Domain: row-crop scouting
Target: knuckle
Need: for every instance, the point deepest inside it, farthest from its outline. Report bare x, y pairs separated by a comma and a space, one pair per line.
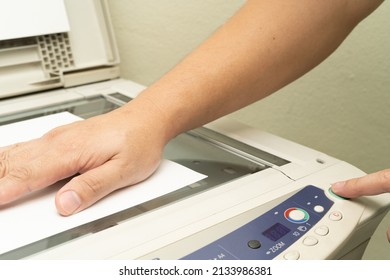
20, 173
4, 164
21, 176
4, 155
16, 173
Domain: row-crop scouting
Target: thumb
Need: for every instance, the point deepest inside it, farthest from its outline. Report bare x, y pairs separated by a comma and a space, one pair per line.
84, 190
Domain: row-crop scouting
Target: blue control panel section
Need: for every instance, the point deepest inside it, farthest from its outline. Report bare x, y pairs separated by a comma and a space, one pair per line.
271, 233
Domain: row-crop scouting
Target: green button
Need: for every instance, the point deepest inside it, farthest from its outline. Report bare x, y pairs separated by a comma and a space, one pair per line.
336, 195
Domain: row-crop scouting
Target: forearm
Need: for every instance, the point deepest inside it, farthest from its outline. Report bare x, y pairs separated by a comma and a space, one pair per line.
265, 46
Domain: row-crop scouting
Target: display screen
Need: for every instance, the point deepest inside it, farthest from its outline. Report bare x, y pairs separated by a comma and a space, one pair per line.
276, 232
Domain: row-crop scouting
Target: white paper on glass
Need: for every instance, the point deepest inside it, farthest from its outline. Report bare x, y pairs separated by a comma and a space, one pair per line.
35, 217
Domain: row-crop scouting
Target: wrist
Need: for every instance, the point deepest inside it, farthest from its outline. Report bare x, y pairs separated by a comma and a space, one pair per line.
145, 113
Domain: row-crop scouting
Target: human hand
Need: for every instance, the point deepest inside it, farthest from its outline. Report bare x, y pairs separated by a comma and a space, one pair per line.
371, 184
106, 152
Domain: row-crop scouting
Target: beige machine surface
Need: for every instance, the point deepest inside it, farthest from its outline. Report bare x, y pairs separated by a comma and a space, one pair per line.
252, 175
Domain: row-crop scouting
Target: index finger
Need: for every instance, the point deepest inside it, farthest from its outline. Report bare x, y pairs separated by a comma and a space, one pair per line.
371, 184
24, 172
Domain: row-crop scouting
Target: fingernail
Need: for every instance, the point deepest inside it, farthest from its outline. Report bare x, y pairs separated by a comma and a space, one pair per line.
338, 186
70, 202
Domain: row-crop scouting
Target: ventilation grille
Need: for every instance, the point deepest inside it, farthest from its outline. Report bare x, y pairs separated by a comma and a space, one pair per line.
55, 52
14, 43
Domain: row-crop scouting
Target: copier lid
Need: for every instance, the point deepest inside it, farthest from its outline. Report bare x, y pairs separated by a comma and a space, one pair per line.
83, 49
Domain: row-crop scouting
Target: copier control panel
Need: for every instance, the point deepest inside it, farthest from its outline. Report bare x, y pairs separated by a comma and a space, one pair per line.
276, 230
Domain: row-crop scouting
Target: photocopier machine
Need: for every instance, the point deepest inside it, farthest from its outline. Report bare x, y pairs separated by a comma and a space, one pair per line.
264, 197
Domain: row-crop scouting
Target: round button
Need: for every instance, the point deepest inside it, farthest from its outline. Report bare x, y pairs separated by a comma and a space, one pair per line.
336, 195
335, 216
292, 255
296, 215
254, 244
310, 241
322, 230
319, 208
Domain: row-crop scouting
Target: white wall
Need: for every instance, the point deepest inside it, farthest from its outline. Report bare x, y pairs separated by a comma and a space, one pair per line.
341, 108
